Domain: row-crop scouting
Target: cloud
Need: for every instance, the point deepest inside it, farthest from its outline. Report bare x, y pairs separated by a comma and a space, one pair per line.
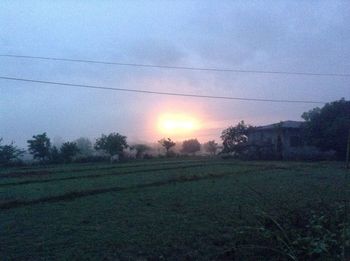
256, 35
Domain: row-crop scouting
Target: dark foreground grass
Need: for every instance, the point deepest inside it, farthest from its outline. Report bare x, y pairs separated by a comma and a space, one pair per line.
177, 214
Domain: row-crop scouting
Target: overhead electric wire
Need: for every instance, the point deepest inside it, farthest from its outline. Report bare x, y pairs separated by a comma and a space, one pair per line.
156, 92
176, 67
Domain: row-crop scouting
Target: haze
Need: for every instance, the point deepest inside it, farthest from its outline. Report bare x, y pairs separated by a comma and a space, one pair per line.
294, 36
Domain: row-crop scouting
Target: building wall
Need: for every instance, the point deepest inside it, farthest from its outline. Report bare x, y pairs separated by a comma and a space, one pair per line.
293, 146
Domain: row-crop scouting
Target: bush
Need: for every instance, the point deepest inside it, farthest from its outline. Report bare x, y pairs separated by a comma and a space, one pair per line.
311, 233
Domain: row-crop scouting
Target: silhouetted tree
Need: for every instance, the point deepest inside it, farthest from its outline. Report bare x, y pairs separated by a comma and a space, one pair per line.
190, 146
210, 147
235, 137
9, 152
39, 147
112, 144
167, 144
68, 151
328, 128
140, 149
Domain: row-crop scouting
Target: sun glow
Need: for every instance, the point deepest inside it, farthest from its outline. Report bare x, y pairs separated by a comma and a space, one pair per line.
177, 124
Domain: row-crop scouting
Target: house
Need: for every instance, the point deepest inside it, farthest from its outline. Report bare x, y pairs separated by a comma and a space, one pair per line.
283, 140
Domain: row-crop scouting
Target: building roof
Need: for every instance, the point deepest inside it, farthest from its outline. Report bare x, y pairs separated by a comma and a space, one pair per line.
282, 124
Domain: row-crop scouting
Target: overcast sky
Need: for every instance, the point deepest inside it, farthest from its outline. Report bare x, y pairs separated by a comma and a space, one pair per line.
303, 36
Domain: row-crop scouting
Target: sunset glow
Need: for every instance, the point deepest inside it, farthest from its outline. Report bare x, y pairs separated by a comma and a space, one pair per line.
177, 124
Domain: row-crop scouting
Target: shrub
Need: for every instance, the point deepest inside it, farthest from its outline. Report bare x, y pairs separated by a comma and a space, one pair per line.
317, 233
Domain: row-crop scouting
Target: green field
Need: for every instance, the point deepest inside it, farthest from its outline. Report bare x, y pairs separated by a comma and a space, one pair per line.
178, 209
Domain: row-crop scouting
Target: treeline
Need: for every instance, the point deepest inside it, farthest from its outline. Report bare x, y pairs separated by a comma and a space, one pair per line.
112, 147
327, 128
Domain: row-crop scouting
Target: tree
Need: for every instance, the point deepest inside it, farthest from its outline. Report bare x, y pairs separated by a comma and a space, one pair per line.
328, 128
55, 155
140, 149
112, 144
210, 147
68, 151
235, 137
9, 152
167, 144
40, 146
85, 146
191, 146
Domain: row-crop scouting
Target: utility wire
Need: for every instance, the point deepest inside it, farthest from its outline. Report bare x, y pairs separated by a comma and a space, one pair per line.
157, 92
176, 67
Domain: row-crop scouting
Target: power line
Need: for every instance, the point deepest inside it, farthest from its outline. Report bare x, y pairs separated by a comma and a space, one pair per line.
157, 92
176, 67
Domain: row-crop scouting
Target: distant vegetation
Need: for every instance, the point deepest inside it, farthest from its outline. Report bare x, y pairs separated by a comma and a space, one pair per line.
9, 152
211, 147
326, 128
167, 144
190, 146
40, 147
112, 144
141, 150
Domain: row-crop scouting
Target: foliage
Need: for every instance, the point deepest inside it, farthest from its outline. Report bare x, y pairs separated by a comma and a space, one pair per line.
140, 150
235, 137
191, 146
210, 147
328, 128
40, 146
318, 233
85, 146
167, 144
55, 155
112, 144
9, 152
68, 151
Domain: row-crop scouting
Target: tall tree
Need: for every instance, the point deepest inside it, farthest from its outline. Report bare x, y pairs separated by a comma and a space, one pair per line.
210, 147
39, 147
328, 127
68, 151
113, 144
167, 144
9, 152
190, 146
235, 137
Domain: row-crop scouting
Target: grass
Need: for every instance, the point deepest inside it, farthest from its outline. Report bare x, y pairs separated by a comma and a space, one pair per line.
154, 210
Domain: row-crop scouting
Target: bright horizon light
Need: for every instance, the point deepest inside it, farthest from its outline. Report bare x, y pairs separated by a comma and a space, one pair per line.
177, 124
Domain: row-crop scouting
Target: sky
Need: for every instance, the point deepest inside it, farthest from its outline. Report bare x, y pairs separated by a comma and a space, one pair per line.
295, 36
